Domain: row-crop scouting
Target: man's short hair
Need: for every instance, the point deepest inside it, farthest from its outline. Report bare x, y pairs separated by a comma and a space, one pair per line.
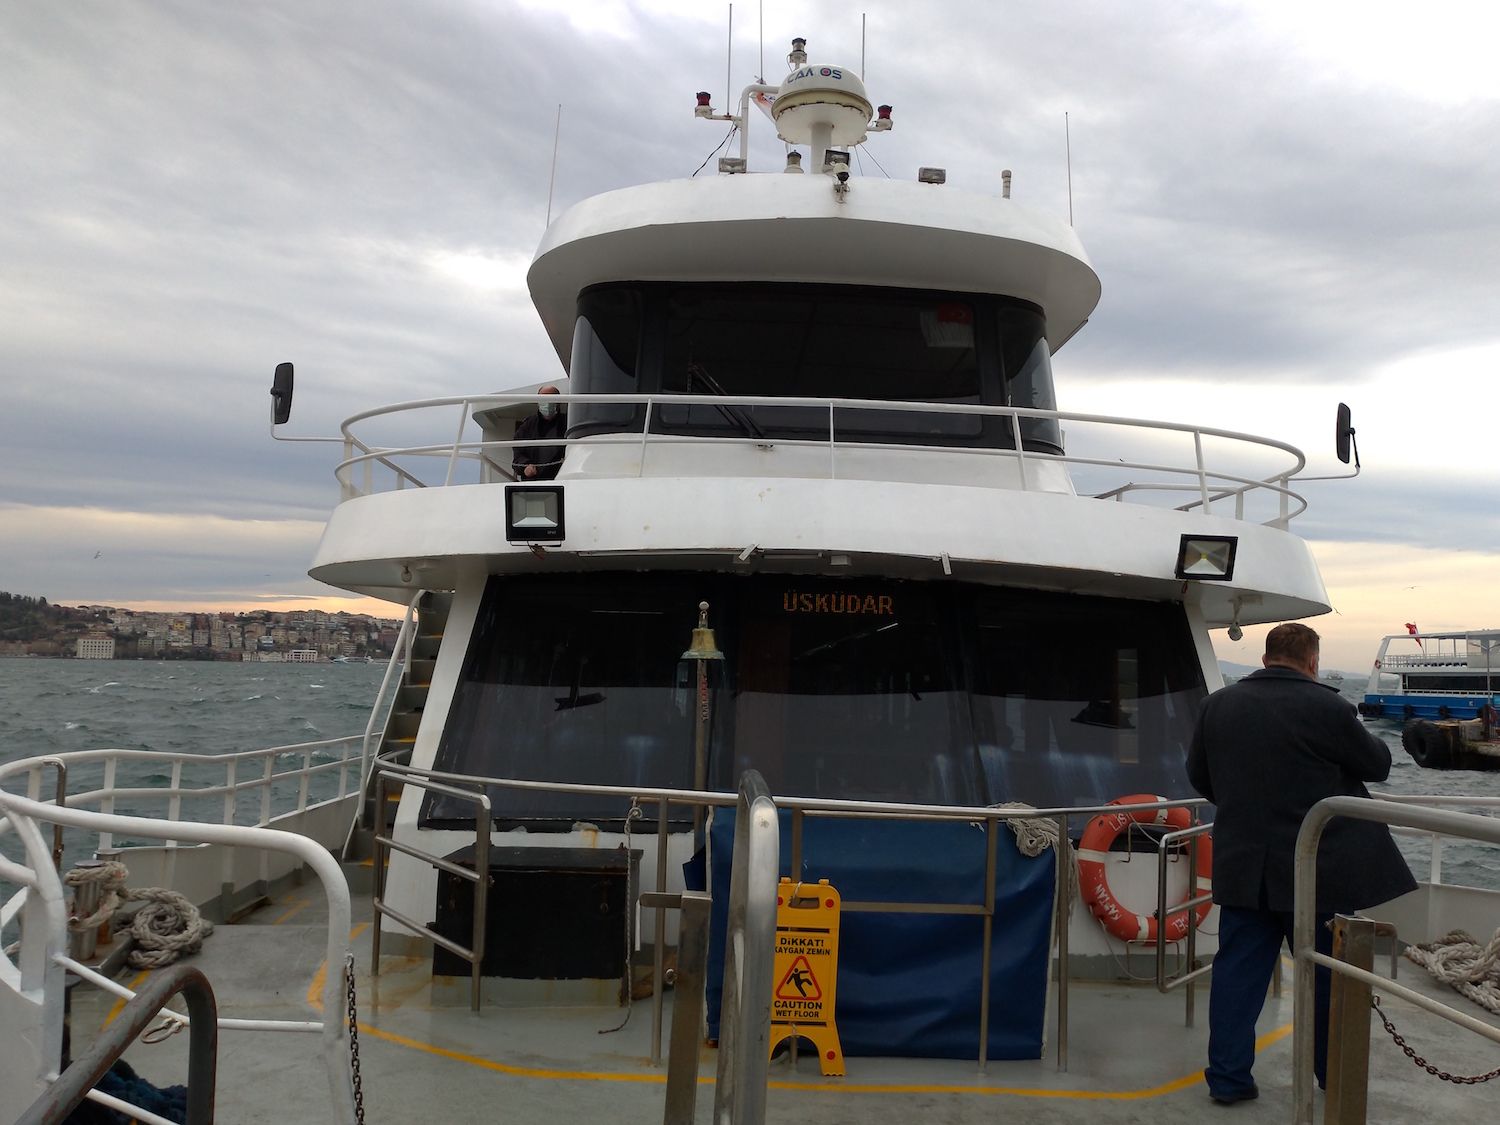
1291, 643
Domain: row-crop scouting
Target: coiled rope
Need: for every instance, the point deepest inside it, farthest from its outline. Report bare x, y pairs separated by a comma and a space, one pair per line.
1035, 834
167, 927
1459, 960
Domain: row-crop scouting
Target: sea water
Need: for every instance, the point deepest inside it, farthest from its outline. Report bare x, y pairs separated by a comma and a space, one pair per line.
49, 706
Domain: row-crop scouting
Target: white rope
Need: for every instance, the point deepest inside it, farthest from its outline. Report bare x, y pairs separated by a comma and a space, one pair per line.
163, 930
111, 879
1458, 959
1035, 834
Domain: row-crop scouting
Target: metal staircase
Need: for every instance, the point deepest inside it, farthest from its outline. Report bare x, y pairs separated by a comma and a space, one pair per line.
400, 733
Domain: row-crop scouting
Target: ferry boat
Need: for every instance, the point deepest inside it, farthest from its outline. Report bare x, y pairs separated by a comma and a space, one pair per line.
1449, 676
824, 589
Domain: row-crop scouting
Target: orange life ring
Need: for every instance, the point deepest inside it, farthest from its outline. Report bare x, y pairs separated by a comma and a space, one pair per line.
1103, 905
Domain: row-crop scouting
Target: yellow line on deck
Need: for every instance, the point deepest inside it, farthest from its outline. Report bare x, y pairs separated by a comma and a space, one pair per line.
120, 1001
301, 902
315, 999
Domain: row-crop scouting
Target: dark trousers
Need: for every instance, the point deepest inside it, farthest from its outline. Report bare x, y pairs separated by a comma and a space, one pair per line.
1249, 944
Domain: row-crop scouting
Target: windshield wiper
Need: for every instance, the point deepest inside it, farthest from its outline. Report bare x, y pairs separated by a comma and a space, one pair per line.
733, 414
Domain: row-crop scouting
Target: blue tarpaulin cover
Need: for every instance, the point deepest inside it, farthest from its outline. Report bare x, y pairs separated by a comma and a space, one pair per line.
908, 984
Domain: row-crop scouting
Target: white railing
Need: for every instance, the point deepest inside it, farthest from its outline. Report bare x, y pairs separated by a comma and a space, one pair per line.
35, 980
273, 773
1408, 814
1435, 857
1192, 476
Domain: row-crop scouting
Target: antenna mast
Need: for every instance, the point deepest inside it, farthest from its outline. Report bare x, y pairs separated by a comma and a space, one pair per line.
1068, 141
729, 66
861, 46
551, 183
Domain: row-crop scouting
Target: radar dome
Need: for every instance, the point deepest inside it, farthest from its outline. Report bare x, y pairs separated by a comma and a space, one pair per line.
821, 105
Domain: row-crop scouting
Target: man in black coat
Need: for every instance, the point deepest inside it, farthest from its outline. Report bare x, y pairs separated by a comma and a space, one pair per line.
1266, 749
540, 462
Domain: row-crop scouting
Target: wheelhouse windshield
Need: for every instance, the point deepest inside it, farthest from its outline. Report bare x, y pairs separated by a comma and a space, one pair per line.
871, 689
814, 341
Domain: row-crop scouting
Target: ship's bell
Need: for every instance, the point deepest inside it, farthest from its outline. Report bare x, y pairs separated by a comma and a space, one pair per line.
704, 647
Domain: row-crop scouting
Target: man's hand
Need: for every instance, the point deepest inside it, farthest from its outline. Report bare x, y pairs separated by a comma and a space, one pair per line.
530, 471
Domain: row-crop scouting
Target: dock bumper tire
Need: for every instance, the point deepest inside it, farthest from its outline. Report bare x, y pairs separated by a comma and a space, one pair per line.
1371, 710
1427, 743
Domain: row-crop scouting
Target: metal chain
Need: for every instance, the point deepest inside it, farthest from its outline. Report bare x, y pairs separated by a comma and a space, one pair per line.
359, 1094
1458, 1079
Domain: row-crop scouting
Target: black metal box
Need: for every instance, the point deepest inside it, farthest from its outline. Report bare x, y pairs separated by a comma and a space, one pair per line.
552, 914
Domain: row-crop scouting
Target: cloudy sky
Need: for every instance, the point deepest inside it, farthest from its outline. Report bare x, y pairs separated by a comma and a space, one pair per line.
1289, 204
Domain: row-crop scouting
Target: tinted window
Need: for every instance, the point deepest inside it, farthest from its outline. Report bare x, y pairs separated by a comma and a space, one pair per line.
829, 342
851, 690
606, 348
1027, 363
573, 681
1080, 699
867, 689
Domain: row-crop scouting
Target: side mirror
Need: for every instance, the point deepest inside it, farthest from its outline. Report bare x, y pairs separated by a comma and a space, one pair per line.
1343, 433
281, 396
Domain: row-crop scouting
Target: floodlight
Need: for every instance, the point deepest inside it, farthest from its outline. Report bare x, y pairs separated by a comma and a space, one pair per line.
533, 515
1207, 558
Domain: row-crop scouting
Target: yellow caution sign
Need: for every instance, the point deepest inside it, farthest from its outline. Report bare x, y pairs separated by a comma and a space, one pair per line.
807, 969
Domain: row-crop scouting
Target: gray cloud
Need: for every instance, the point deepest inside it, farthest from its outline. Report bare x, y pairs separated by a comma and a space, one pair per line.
196, 192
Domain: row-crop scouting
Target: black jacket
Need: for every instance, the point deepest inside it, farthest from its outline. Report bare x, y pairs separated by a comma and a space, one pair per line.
548, 459
1265, 751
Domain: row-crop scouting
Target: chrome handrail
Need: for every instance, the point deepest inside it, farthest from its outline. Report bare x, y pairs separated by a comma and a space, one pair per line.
77, 1082
1305, 956
749, 955
687, 1007
1189, 971
801, 807
1207, 483
480, 877
366, 775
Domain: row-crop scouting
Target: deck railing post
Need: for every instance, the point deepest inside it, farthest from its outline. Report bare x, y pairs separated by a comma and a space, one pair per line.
990, 833
687, 1008
1202, 472
1015, 430
659, 935
346, 475
482, 825
749, 954
62, 800
378, 859
832, 446
1064, 909
1192, 926
645, 437
107, 802
1348, 1077
463, 420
